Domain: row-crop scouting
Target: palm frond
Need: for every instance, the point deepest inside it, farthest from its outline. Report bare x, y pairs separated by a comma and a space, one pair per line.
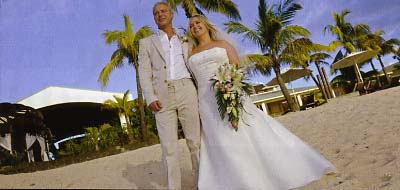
226, 7
174, 4
121, 52
361, 29
297, 52
110, 104
260, 63
379, 32
119, 101
298, 46
349, 47
339, 18
290, 33
321, 47
125, 97
130, 35
122, 104
333, 45
112, 36
106, 71
268, 29
189, 7
319, 56
238, 28
287, 10
262, 10
143, 32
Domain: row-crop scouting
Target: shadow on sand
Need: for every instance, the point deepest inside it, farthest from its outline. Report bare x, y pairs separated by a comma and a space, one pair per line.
151, 175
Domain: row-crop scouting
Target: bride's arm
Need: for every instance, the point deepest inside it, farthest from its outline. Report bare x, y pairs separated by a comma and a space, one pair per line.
232, 54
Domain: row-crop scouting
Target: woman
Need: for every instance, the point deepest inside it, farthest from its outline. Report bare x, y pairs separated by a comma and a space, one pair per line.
262, 154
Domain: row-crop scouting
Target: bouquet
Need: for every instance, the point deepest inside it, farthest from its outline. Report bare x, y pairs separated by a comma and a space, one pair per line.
229, 86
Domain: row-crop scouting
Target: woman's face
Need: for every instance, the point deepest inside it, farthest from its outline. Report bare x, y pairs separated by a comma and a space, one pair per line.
197, 27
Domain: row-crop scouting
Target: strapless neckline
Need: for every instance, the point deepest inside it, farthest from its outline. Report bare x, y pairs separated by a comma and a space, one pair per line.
203, 51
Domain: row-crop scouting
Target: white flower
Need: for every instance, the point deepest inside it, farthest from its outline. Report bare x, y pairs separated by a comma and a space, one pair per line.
183, 39
229, 87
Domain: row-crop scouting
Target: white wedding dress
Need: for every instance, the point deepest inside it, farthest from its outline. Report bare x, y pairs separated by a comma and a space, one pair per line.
262, 154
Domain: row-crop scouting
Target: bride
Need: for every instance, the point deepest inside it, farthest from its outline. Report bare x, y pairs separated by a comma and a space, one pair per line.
262, 154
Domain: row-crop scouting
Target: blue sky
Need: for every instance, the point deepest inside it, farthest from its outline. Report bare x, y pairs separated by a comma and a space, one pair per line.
59, 42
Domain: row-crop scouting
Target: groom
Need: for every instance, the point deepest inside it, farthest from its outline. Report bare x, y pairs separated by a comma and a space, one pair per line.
170, 92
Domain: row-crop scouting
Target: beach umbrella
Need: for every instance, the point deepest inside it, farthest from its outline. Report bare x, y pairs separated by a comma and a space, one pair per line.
290, 75
354, 59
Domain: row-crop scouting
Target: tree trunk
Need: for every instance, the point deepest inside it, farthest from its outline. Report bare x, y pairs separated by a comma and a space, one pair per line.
293, 106
141, 106
375, 75
323, 87
129, 128
318, 84
320, 87
324, 81
383, 69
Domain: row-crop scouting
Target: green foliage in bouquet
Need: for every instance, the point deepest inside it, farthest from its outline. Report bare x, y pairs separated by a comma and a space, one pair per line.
229, 86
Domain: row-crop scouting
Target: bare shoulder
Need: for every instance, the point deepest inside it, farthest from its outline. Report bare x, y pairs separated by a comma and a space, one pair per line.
224, 44
194, 50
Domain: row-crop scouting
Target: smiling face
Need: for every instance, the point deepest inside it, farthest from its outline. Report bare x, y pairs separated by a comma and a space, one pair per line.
197, 27
162, 15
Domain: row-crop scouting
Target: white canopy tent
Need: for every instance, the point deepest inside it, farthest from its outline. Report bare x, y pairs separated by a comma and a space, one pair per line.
53, 95
30, 140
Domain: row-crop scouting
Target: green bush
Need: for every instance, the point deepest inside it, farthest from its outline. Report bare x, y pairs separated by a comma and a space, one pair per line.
73, 147
109, 136
319, 98
8, 159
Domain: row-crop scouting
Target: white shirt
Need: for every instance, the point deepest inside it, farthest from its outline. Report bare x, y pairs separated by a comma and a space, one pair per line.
175, 61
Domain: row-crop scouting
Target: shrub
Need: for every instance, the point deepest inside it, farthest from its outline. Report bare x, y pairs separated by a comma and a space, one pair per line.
8, 159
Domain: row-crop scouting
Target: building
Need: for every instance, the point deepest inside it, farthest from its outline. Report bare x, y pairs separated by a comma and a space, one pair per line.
271, 100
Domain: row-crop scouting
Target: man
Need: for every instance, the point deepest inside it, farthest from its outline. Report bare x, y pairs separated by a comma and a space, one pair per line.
170, 92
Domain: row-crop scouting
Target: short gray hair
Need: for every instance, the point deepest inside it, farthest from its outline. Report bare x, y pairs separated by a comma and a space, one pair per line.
162, 3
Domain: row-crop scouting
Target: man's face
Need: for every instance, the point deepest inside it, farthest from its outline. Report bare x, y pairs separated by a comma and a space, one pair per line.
162, 15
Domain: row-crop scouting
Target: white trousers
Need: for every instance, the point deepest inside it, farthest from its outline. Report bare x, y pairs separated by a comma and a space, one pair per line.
182, 104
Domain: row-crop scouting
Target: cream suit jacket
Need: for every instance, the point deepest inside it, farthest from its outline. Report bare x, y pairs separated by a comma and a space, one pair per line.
153, 69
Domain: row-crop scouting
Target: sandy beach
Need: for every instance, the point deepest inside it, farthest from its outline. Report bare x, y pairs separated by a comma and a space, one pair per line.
360, 135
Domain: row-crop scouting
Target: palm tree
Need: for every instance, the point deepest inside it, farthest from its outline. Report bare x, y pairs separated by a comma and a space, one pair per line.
95, 135
343, 31
192, 7
346, 34
124, 108
375, 41
280, 42
128, 47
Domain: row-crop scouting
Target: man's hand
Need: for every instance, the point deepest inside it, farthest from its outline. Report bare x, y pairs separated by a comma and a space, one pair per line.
155, 106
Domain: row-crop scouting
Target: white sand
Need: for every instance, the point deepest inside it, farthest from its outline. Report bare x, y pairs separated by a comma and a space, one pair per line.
360, 135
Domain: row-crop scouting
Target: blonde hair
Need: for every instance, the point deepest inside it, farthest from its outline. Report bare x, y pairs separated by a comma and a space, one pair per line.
212, 30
